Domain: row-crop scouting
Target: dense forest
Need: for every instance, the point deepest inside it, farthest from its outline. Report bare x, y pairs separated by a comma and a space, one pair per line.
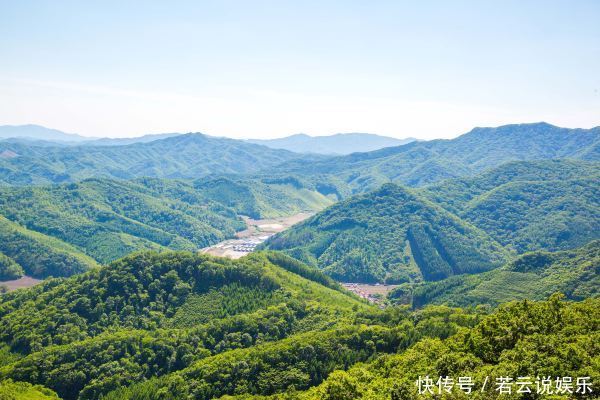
492, 241
534, 275
130, 331
426, 162
541, 205
181, 157
466, 225
100, 220
391, 234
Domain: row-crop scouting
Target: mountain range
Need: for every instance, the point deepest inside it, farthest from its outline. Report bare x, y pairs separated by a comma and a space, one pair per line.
40, 135
477, 234
191, 155
341, 143
469, 225
422, 163
64, 229
196, 155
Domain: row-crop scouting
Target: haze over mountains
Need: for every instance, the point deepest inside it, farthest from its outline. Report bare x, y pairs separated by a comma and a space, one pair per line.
46, 136
421, 163
184, 156
341, 143
37, 132
195, 155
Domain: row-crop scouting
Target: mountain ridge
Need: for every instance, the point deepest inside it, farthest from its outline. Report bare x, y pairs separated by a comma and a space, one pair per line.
391, 234
426, 162
187, 156
336, 144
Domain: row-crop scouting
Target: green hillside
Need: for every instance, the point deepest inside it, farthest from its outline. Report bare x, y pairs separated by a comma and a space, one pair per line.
179, 325
9, 268
526, 340
455, 194
267, 197
107, 219
542, 205
422, 163
535, 276
185, 156
139, 317
465, 225
391, 234
26, 252
10, 390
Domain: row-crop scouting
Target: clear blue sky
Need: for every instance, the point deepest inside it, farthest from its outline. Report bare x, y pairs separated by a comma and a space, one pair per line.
272, 68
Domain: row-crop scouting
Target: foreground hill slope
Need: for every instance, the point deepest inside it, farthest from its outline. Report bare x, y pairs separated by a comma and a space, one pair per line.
181, 325
549, 338
390, 234
151, 313
422, 163
185, 156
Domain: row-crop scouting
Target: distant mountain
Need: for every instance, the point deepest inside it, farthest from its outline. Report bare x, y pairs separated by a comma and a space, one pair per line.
37, 132
341, 143
184, 156
132, 140
422, 163
391, 234
41, 136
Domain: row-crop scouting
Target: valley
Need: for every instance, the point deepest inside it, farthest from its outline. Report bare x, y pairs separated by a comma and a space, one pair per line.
291, 200
200, 267
257, 231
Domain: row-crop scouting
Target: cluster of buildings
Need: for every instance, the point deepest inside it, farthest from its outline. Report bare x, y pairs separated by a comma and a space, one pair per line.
358, 290
249, 245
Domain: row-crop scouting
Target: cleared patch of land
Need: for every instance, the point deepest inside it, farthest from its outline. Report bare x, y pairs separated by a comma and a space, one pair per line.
22, 282
257, 231
374, 293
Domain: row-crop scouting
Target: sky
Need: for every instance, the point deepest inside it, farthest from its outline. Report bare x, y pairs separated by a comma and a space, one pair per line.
265, 69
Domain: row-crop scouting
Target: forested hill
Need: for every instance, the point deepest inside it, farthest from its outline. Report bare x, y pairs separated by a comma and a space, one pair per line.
181, 325
534, 276
47, 230
525, 339
455, 194
185, 156
421, 163
150, 314
390, 234
541, 205
394, 234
